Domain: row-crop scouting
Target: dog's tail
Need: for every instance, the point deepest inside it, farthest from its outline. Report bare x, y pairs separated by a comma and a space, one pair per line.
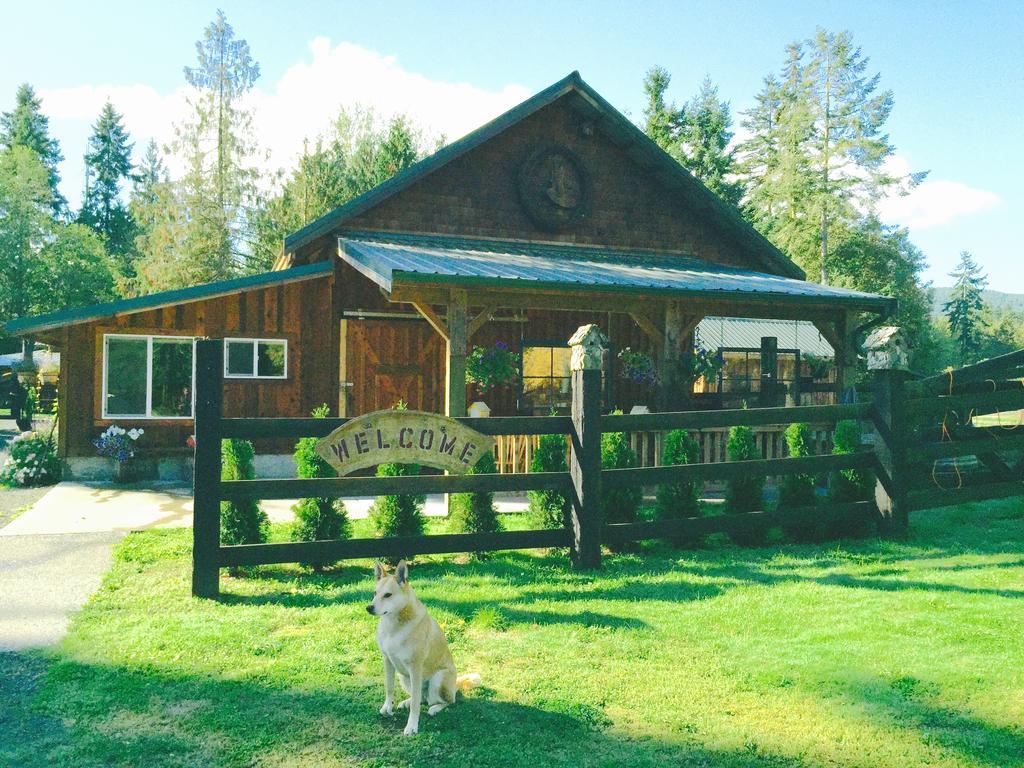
468, 682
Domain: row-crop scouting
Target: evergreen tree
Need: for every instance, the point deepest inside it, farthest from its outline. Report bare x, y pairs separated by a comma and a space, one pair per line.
662, 120
475, 512
745, 494
706, 134
27, 126
241, 522
217, 148
351, 158
108, 164
963, 311
550, 508
26, 223
680, 499
619, 505
797, 491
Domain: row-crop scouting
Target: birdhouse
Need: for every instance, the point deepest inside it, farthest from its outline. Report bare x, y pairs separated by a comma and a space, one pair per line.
479, 410
887, 349
588, 346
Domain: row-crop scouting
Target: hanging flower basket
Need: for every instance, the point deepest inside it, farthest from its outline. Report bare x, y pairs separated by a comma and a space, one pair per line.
490, 367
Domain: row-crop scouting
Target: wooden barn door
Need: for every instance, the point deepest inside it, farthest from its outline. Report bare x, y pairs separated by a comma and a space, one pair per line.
392, 360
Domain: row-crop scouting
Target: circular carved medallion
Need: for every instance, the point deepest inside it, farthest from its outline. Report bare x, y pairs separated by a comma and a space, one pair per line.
554, 187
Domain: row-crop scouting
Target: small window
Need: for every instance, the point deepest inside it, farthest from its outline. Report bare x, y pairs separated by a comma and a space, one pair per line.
256, 359
148, 377
547, 381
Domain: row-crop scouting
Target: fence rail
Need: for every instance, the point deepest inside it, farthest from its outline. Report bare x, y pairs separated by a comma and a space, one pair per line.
899, 451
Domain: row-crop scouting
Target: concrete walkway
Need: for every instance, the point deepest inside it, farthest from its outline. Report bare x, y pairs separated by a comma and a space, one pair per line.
43, 580
71, 507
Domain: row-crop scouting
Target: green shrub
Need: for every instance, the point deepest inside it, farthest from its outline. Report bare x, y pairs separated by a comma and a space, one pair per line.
797, 491
849, 485
241, 522
678, 500
619, 505
548, 508
400, 514
317, 519
32, 460
475, 512
745, 494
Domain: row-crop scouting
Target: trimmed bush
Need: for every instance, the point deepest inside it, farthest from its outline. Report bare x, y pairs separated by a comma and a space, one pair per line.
317, 519
549, 508
797, 491
475, 512
679, 500
241, 522
619, 505
745, 494
401, 514
849, 485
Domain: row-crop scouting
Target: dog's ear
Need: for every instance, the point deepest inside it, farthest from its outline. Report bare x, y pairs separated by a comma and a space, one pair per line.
402, 572
379, 571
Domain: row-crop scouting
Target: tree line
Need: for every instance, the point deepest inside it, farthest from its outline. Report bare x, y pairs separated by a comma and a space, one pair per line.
808, 173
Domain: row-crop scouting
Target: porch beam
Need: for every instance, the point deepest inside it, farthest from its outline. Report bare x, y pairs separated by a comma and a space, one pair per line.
478, 322
648, 325
432, 317
455, 359
748, 305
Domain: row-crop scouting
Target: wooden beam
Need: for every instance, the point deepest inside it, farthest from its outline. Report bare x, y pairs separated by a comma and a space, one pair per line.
650, 327
478, 322
458, 340
431, 317
827, 329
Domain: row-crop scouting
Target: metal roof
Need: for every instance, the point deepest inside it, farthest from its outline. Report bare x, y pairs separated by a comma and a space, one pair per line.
666, 169
746, 333
25, 326
386, 259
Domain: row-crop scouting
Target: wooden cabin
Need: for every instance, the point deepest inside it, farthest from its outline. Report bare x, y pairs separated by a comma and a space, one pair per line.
558, 213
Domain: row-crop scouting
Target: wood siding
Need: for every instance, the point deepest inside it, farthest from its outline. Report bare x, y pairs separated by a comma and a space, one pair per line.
300, 312
477, 196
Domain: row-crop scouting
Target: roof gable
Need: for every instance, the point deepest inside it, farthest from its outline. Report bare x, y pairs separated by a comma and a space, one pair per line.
707, 216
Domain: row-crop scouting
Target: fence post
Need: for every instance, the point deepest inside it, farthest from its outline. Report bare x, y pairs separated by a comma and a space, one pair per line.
206, 474
888, 359
588, 348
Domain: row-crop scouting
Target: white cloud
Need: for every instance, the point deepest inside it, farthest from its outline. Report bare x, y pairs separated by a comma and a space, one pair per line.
933, 202
300, 104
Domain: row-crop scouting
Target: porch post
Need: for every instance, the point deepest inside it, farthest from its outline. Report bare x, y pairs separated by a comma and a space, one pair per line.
588, 346
887, 358
458, 339
846, 359
676, 385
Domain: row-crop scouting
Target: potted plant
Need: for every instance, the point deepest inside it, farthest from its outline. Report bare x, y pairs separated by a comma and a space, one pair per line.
704, 363
118, 443
817, 367
490, 367
638, 367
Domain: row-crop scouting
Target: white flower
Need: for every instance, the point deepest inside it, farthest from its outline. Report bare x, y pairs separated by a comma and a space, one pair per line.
134, 434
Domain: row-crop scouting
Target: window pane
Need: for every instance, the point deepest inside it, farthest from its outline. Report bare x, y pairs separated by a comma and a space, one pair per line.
172, 377
240, 358
536, 361
270, 358
560, 358
126, 377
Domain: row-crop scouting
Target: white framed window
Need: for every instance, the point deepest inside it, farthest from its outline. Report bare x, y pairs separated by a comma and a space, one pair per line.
256, 358
148, 377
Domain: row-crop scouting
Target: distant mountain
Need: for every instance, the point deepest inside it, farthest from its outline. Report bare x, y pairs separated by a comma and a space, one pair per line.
995, 299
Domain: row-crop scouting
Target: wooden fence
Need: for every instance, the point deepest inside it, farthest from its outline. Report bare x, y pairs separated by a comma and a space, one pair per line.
913, 421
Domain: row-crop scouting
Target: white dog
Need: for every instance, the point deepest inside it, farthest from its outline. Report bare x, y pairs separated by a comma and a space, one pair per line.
414, 646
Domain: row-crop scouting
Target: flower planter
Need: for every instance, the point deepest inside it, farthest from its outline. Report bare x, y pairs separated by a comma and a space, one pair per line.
124, 471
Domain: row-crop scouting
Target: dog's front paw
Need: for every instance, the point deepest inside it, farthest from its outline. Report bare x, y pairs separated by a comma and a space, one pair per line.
411, 729
388, 708
405, 703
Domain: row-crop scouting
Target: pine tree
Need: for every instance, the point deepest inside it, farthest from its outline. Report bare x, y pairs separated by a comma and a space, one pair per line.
353, 157
217, 147
108, 164
963, 311
662, 120
706, 134
27, 126
26, 222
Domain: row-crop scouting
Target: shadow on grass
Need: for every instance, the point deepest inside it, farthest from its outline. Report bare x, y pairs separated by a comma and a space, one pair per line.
909, 703
91, 715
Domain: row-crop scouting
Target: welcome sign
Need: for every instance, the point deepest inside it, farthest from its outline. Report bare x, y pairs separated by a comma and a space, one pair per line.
404, 437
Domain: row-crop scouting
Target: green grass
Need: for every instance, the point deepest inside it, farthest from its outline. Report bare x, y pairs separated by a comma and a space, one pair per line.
863, 653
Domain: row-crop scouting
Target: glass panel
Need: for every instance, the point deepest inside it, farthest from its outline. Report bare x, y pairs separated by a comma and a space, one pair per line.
536, 361
270, 358
560, 357
126, 377
172, 377
240, 358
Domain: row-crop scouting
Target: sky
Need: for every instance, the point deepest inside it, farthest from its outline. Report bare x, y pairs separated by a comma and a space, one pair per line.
956, 68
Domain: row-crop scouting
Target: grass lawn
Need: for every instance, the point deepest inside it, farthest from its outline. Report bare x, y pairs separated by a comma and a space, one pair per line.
863, 653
